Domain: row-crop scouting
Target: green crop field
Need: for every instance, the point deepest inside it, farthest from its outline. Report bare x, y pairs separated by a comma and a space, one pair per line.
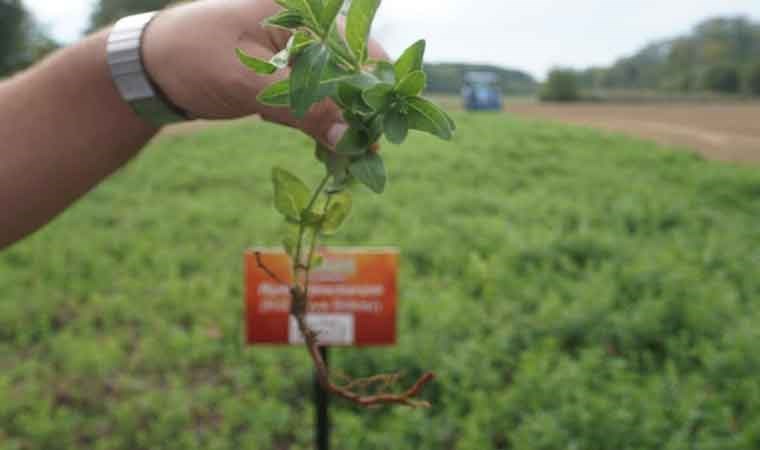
572, 290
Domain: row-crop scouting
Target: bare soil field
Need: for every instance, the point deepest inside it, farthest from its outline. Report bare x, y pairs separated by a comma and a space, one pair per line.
727, 132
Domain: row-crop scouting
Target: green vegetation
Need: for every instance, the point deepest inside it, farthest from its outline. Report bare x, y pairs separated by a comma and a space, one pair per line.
22, 42
12, 18
723, 79
571, 289
753, 79
449, 78
109, 11
561, 86
687, 63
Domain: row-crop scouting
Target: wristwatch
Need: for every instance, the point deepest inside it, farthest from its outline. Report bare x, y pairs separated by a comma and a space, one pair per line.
135, 85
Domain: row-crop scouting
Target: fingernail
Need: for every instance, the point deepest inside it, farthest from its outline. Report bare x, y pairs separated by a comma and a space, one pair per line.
335, 134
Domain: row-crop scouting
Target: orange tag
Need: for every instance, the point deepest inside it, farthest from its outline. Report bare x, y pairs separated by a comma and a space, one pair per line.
352, 298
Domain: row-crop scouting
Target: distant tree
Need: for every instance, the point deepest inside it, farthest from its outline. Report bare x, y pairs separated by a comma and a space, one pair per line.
723, 78
13, 18
449, 78
109, 11
753, 79
561, 86
682, 63
22, 40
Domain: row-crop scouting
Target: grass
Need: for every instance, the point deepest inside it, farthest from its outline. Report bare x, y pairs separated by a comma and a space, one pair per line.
571, 289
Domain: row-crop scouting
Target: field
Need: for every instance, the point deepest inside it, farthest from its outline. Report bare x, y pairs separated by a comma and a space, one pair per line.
723, 131
572, 289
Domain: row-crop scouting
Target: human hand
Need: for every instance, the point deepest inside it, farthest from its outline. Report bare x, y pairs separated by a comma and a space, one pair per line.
189, 50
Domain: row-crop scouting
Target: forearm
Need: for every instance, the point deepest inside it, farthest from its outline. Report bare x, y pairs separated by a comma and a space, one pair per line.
63, 129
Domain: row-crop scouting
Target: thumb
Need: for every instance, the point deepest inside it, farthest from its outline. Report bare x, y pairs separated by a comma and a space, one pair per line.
335, 134
323, 122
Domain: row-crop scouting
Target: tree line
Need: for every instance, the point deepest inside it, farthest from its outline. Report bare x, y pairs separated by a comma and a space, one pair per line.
23, 41
448, 78
720, 55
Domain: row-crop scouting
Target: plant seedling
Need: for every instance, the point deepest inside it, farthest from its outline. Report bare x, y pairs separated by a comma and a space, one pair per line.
377, 99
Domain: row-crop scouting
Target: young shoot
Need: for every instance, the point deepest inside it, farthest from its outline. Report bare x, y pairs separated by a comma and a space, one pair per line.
377, 98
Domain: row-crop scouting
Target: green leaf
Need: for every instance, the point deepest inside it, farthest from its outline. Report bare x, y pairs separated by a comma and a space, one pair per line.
363, 80
361, 14
385, 72
306, 78
317, 261
277, 94
288, 20
413, 84
337, 166
354, 142
338, 44
310, 218
411, 60
349, 95
370, 170
289, 4
310, 10
396, 127
425, 116
355, 120
299, 41
330, 12
452, 124
375, 129
337, 212
378, 97
257, 65
290, 243
291, 196
316, 8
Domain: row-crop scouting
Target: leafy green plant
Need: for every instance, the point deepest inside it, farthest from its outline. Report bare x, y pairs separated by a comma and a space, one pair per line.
753, 79
561, 86
723, 78
377, 99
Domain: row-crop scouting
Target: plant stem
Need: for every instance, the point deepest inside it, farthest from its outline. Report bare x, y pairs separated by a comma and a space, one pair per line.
297, 263
314, 239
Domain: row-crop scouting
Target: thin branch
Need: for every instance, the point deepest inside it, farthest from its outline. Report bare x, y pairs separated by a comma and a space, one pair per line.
266, 269
314, 239
298, 264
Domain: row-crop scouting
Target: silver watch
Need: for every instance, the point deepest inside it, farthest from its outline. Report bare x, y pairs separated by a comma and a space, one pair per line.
132, 80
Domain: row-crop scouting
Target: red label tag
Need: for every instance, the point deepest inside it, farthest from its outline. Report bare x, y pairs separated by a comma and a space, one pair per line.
352, 298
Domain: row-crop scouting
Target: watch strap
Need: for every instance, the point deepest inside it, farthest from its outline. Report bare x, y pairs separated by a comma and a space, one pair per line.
130, 76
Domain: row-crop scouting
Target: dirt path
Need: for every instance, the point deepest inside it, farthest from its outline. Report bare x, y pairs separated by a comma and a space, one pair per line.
727, 132
723, 132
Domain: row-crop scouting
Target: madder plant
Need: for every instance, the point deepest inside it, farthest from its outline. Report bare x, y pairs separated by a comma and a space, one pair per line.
377, 99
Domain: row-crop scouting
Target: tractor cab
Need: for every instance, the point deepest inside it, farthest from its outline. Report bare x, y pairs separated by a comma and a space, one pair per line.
482, 91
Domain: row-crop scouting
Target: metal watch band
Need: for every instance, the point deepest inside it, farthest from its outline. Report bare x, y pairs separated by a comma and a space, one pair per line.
129, 74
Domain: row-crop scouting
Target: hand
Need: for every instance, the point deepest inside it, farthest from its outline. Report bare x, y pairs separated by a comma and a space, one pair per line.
189, 51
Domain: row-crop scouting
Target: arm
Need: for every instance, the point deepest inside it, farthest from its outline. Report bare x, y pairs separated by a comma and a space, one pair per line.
63, 129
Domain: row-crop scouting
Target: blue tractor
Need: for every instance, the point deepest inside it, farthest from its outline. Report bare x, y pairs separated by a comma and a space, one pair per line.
482, 92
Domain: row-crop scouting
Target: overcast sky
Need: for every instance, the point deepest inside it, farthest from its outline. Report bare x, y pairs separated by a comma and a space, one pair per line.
531, 35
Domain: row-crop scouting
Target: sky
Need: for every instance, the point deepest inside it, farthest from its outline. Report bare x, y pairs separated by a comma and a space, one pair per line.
532, 35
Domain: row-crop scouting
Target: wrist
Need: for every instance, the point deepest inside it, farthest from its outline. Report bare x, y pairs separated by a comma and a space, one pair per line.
134, 81
161, 62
